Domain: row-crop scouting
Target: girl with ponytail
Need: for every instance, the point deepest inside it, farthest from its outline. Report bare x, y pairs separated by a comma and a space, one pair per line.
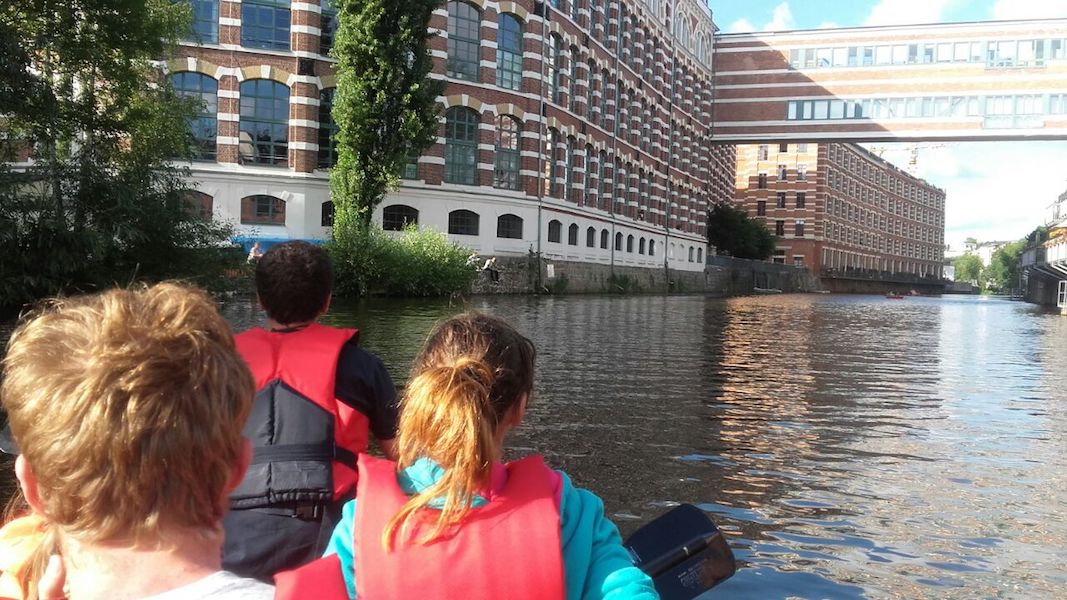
449, 519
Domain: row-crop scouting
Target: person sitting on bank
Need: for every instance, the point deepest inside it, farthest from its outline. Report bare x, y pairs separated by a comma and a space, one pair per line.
319, 397
127, 407
449, 519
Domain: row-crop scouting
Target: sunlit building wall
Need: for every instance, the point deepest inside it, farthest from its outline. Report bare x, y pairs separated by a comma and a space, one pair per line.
578, 129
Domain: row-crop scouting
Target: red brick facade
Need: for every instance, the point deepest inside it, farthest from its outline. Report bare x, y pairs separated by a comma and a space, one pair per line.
838, 208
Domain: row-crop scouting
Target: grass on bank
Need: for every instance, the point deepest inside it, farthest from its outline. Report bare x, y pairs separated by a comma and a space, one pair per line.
415, 262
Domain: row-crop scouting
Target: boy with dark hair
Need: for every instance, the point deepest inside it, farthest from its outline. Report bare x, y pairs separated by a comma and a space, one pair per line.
319, 397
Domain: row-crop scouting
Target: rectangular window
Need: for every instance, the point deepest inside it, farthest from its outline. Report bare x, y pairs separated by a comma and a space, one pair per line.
798, 260
783, 148
411, 168
802, 147
265, 24
329, 27
761, 181
801, 199
779, 199
799, 232
761, 208
781, 172
779, 228
761, 152
205, 21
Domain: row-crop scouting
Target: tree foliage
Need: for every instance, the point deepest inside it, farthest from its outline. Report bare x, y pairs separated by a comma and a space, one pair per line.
98, 203
733, 233
969, 268
385, 104
1002, 274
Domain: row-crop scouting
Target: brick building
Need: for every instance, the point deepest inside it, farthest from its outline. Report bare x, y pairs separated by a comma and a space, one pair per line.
841, 211
577, 129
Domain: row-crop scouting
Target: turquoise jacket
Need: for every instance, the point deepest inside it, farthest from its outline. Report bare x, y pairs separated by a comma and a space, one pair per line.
595, 564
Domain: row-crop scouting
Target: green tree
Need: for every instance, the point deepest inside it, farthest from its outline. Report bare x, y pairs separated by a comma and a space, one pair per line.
969, 268
99, 203
733, 233
1002, 274
385, 107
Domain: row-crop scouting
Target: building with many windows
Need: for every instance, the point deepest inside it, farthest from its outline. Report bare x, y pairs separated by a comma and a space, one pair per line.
843, 212
575, 128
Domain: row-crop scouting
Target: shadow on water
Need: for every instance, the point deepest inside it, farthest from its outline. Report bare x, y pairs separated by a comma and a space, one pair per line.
850, 447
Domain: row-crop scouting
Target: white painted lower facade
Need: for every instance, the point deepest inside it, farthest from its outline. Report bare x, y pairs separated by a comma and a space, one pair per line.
304, 196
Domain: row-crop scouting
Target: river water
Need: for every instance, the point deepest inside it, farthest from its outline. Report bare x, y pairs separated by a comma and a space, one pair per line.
848, 446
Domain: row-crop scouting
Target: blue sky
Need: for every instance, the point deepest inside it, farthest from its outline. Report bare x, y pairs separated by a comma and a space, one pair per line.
995, 190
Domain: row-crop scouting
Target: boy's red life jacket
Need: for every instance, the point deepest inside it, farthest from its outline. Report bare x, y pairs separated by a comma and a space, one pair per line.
508, 548
305, 441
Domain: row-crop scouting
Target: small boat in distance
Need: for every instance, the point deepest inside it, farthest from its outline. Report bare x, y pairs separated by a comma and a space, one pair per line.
894, 296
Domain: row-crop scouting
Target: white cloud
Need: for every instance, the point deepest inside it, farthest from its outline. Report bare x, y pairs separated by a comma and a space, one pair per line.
995, 190
1029, 9
907, 12
781, 19
741, 26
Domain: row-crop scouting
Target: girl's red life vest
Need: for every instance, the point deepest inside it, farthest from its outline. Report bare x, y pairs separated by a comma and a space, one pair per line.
297, 424
508, 548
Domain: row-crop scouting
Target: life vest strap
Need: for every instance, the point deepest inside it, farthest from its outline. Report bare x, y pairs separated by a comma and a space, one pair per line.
298, 452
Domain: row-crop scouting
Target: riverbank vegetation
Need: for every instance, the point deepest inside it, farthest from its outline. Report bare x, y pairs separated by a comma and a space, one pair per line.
1001, 275
88, 197
414, 262
733, 233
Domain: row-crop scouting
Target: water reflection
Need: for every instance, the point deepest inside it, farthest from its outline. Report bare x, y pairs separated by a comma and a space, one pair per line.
850, 447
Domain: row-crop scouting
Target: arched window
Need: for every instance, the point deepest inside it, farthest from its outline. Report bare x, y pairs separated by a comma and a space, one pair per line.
508, 135
591, 75
700, 255
604, 79
509, 226
641, 246
327, 130
568, 182
572, 235
262, 210
555, 65
629, 243
572, 83
398, 216
265, 24
464, 40
509, 51
651, 247
590, 237
555, 231
205, 28
575, 6
690, 254
203, 127
594, 17
326, 214
605, 182
461, 145
264, 122
618, 242
604, 239
198, 204
463, 222
551, 171
590, 173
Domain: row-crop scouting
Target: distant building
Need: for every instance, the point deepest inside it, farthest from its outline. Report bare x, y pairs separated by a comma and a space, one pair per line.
840, 211
985, 251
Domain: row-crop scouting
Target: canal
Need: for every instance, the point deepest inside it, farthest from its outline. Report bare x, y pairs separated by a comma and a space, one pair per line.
849, 446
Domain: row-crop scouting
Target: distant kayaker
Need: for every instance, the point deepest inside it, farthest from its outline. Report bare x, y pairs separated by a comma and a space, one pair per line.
127, 408
449, 519
320, 396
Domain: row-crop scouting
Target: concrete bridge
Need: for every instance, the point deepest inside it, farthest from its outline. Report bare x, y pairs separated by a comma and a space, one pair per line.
1004, 80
